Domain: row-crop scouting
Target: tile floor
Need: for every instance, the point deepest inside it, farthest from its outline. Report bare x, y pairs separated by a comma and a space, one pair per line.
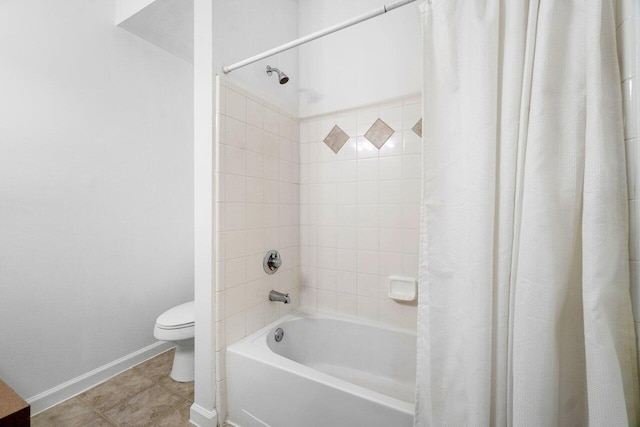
142, 396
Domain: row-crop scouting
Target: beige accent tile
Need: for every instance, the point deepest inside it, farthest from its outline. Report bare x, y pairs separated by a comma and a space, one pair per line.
157, 367
336, 139
379, 133
116, 390
145, 407
74, 412
417, 128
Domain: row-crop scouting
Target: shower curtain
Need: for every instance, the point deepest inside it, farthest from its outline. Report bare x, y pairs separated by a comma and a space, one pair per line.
524, 306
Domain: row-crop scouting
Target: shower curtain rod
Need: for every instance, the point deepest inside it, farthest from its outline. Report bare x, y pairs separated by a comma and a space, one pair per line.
302, 40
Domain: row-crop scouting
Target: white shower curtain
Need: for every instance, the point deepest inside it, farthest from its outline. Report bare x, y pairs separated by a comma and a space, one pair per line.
524, 308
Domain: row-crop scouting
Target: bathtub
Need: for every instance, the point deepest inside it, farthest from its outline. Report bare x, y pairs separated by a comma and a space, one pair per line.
326, 371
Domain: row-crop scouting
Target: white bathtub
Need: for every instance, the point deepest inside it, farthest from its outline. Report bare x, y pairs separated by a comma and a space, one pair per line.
326, 371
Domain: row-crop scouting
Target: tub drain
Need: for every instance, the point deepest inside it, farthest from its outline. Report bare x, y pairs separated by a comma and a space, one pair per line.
279, 334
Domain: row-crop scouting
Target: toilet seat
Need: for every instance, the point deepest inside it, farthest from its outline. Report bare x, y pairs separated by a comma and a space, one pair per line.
180, 316
177, 323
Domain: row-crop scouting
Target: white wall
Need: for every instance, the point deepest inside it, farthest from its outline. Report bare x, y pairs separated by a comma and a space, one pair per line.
369, 63
96, 191
245, 28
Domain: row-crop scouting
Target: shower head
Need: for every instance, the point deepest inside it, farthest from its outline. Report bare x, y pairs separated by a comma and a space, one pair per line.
282, 77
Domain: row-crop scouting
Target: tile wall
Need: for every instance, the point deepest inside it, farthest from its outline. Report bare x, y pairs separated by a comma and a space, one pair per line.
359, 209
257, 209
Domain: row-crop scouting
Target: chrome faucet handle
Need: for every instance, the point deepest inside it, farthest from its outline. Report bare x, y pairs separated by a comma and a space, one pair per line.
271, 262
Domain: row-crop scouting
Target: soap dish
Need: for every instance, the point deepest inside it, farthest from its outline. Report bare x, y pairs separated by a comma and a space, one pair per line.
403, 288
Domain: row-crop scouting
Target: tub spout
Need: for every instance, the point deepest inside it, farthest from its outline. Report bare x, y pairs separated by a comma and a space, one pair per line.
279, 296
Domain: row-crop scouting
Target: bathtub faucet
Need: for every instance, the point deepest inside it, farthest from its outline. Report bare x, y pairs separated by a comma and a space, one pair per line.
279, 296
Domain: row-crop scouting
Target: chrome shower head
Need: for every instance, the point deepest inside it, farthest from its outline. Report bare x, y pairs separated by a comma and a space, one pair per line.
282, 77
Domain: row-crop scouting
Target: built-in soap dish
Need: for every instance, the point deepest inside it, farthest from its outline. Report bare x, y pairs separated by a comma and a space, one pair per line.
403, 288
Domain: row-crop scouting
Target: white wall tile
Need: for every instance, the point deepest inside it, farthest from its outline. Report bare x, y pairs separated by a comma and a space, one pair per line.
392, 116
411, 166
347, 304
346, 260
411, 216
365, 149
271, 121
391, 240
367, 193
254, 139
257, 208
326, 301
326, 277
367, 216
347, 237
390, 264
367, 285
390, 192
367, 261
348, 150
255, 318
347, 192
412, 143
390, 216
236, 105
236, 133
391, 312
393, 146
365, 117
368, 238
346, 282
367, 308
390, 168
411, 113
359, 211
235, 327
348, 123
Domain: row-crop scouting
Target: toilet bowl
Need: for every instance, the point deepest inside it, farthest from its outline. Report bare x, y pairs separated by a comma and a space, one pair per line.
177, 325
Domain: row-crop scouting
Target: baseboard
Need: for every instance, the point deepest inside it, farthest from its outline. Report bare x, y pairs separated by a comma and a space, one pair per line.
202, 418
67, 390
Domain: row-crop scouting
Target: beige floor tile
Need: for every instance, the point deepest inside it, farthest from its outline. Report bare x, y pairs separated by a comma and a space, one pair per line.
144, 407
157, 367
99, 422
142, 396
116, 390
182, 389
178, 417
72, 413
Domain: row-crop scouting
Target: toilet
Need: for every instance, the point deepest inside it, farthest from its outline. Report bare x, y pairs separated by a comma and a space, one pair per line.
177, 325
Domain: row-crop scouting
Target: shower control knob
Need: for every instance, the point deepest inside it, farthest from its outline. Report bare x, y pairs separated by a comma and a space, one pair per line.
271, 262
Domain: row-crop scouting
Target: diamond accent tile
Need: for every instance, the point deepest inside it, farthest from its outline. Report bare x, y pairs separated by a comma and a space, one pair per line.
417, 128
379, 133
336, 139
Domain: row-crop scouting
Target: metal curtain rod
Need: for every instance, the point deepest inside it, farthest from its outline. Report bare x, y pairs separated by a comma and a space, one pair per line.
302, 40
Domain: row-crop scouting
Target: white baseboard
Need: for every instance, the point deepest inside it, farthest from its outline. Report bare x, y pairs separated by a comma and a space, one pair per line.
75, 386
202, 418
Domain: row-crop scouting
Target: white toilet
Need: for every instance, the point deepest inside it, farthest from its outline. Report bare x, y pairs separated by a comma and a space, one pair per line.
177, 325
